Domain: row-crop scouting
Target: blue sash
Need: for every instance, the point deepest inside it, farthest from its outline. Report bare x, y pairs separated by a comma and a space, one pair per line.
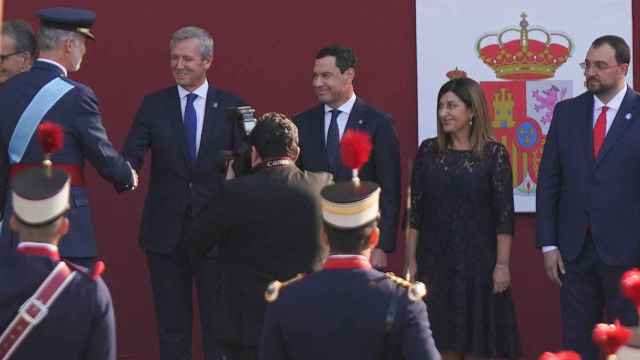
33, 114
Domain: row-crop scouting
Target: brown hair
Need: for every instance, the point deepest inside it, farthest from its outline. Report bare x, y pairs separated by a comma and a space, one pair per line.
471, 94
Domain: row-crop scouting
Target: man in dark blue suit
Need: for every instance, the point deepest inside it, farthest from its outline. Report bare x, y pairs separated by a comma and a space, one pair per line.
321, 128
348, 310
78, 322
46, 93
185, 128
588, 197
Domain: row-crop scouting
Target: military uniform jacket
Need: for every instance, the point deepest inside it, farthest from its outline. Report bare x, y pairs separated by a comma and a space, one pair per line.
340, 314
80, 323
85, 138
266, 227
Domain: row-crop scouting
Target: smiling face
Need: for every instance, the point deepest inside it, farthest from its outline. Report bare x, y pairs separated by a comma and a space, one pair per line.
454, 115
188, 66
331, 86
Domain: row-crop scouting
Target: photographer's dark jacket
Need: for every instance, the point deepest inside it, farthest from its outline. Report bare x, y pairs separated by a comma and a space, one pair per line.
265, 226
178, 188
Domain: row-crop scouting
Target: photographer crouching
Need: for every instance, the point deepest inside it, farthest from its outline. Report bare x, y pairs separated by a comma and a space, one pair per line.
264, 227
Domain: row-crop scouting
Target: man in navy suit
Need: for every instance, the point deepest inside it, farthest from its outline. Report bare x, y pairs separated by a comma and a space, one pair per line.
185, 127
348, 310
78, 323
588, 197
45, 93
321, 128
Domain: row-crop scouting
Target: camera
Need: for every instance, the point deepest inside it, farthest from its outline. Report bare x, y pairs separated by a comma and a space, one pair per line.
244, 120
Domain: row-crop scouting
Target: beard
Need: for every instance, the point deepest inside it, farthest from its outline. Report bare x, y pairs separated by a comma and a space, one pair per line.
597, 87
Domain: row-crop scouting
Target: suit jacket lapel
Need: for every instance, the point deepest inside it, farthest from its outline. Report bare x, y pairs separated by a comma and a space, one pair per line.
209, 124
177, 123
316, 129
586, 128
619, 126
355, 121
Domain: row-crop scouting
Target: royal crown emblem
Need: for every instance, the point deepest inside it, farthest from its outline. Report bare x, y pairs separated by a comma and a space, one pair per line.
526, 57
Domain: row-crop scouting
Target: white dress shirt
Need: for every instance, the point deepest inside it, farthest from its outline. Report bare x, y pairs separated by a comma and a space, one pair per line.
613, 107
343, 117
199, 104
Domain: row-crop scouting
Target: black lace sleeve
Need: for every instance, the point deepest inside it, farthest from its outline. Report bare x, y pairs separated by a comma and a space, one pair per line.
415, 216
502, 185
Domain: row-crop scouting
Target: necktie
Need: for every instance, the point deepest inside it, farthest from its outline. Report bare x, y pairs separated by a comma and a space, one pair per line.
333, 139
190, 126
599, 131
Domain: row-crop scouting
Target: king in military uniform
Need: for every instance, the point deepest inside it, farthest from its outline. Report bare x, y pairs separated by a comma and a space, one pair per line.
347, 310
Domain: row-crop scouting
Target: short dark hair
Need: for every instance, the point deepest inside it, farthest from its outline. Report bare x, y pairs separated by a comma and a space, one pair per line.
621, 48
345, 58
22, 33
275, 136
349, 241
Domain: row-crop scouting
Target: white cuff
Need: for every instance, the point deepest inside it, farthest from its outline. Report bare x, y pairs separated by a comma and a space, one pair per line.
548, 248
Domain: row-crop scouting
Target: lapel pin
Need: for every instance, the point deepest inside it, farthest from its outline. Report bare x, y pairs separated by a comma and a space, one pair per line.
628, 116
215, 105
360, 122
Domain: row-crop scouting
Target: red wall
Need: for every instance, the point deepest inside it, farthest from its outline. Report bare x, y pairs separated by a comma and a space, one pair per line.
264, 52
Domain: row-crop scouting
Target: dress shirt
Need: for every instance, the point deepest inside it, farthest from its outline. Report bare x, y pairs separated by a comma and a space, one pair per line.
343, 117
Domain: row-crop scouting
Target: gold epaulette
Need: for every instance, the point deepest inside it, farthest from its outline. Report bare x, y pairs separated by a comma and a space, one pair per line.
273, 290
415, 290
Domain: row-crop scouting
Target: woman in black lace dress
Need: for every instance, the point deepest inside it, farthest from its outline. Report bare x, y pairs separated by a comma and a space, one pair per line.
461, 229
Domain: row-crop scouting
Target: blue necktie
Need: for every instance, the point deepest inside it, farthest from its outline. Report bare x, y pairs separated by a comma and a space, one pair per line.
191, 126
333, 139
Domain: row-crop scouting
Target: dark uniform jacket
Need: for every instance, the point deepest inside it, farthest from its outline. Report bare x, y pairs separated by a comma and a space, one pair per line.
85, 138
341, 314
265, 226
80, 323
382, 168
177, 187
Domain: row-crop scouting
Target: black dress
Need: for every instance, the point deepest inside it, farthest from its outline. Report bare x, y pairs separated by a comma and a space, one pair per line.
460, 202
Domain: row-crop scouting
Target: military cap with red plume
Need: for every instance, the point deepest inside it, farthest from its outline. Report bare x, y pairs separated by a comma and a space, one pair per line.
355, 148
41, 194
611, 337
562, 355
351, 204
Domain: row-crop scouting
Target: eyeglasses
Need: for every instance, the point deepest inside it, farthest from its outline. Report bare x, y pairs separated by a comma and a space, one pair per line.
598, 66
6, 56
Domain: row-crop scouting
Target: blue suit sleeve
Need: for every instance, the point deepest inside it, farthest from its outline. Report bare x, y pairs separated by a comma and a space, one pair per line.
138, 139
387, 167
549, 185
416, 337
102, 338
96, 145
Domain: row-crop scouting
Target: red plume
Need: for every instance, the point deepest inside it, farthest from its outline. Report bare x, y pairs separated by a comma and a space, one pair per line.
51, 137
562, 355
630, 283
355, 148
610, 337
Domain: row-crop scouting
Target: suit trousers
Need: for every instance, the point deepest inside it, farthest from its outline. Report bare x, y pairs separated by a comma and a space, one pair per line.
590, 294
172, 279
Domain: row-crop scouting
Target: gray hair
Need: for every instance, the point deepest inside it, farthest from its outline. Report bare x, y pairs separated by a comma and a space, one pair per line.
22, 34
193, 32
51, 38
